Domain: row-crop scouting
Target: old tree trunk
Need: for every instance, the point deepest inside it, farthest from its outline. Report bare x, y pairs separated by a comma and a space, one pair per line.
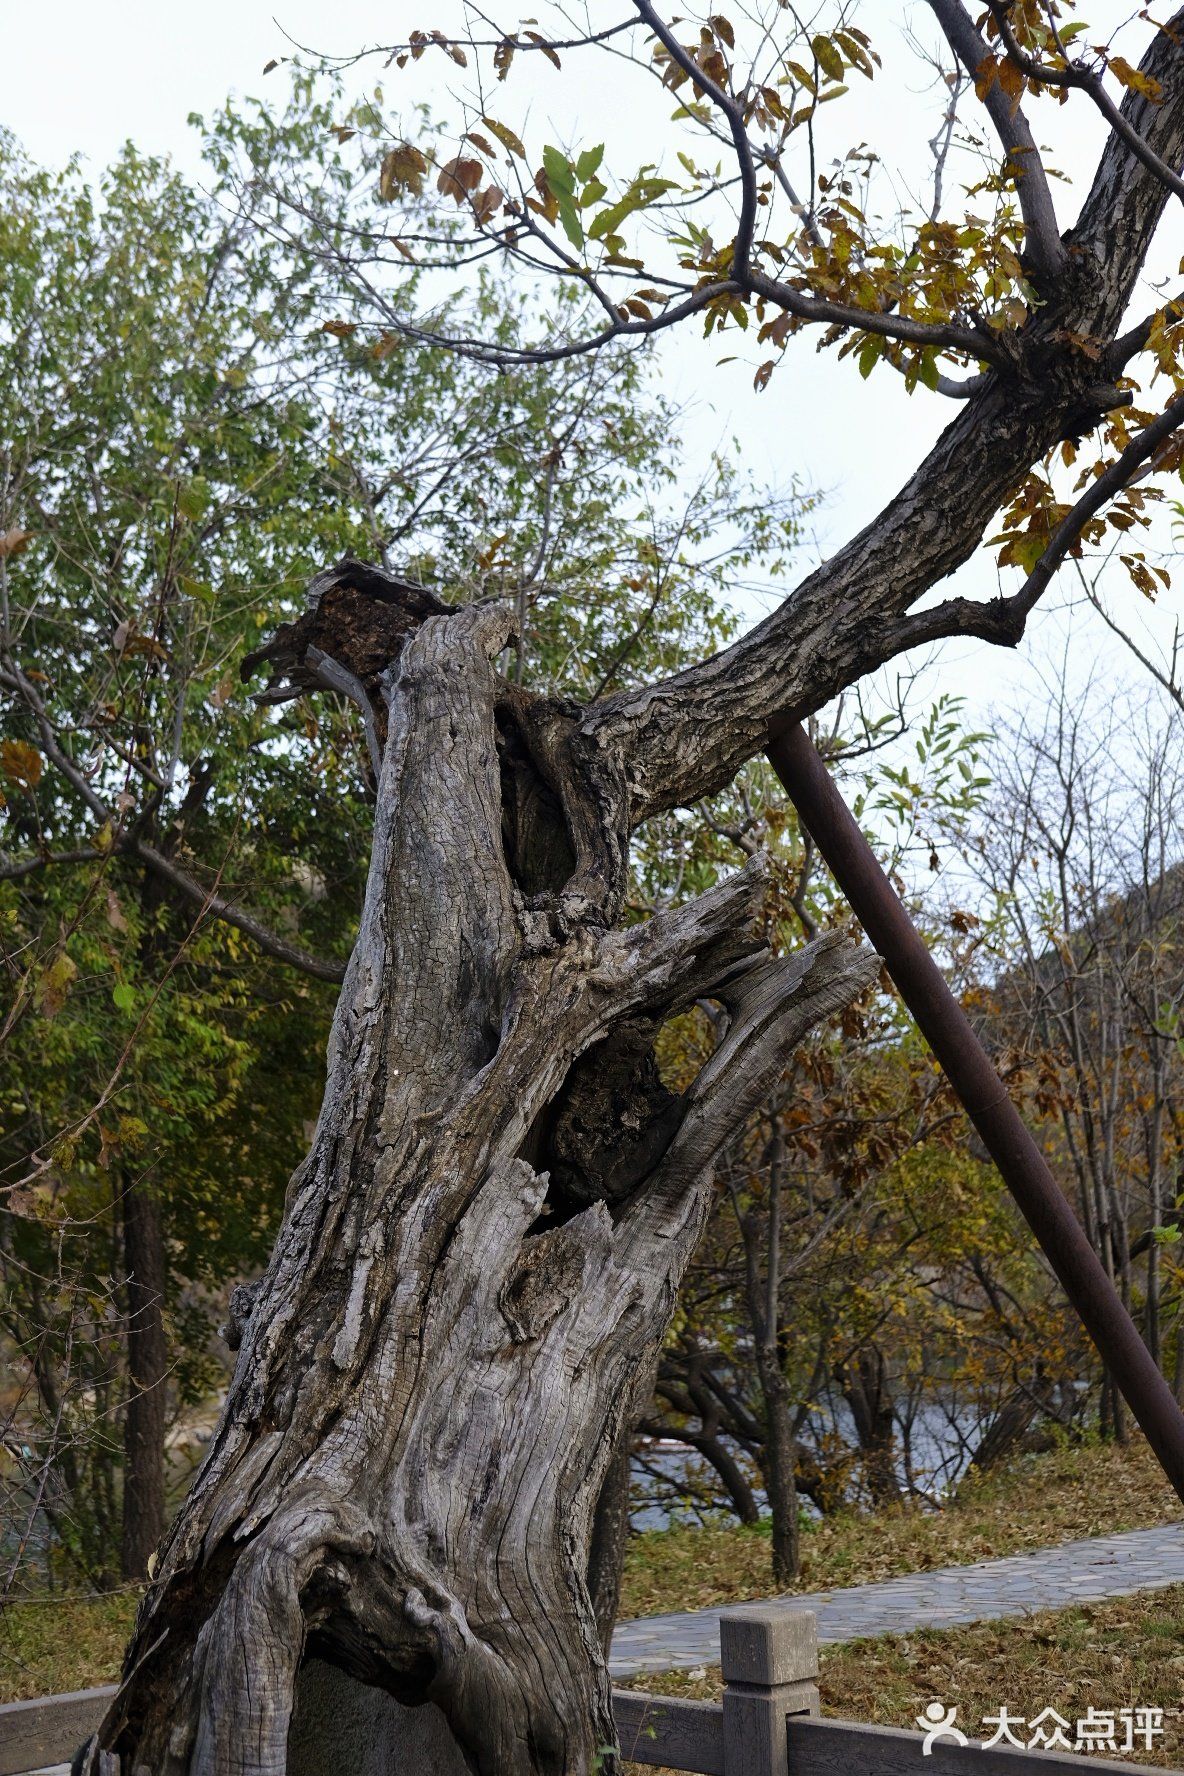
478, 1260
480, 1253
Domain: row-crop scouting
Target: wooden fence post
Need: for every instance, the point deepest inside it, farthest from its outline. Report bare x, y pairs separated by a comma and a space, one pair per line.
770, 1662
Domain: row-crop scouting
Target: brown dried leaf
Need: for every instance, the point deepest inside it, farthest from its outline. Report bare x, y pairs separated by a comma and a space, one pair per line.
488, 203
460, 177
13, 541
546, 48
403, 169
115, 916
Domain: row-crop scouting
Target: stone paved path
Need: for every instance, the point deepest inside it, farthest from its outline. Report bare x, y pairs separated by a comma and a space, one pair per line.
1048, 1578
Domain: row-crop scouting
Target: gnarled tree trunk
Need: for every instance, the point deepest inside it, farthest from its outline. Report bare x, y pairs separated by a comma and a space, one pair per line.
477, 1263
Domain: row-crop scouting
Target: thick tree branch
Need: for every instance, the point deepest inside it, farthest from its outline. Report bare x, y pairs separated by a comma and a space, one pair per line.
1128, 196
1120, 474
975, 344
1003, 620
1042, 245
1136, 338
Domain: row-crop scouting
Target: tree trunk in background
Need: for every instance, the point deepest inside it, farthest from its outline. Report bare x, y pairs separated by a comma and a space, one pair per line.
147, 1372
781, 1457
478, 1260
866, 1390
610, 1536
1011, 1423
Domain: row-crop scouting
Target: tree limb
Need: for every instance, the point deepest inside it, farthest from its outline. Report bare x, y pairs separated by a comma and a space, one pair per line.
123, 842
1043, 244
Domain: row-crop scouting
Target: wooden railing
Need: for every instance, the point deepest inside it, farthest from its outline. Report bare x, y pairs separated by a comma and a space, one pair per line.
768, 1723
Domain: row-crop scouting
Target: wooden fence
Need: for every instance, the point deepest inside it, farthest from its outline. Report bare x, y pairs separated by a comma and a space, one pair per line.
768, 1723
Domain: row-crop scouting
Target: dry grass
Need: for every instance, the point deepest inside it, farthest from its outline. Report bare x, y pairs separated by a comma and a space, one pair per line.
1123, 1653
63, 1643
1095, 1489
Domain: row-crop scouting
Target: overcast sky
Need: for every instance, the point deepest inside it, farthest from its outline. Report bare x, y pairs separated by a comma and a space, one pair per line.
86, 76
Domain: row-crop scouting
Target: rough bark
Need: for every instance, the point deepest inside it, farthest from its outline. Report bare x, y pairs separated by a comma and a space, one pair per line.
442, 1356
147, 1371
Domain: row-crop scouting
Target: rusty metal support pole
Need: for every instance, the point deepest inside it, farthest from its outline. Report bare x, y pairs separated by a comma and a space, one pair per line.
964, 1061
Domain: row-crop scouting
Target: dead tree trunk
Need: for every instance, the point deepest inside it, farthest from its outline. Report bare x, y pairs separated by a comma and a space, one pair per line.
477, 1263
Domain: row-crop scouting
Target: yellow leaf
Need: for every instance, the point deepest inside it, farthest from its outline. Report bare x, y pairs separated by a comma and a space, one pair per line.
20, 763
55, 984
505, 136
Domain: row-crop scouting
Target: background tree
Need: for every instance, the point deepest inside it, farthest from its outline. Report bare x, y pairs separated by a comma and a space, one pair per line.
1082, 938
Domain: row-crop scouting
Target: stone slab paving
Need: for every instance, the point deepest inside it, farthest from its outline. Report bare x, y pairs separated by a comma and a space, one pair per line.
1048, 1578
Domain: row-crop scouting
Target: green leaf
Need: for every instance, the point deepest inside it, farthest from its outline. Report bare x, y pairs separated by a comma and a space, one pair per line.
124, 996
569, 216
588, 162
870, 352
828, 56
560, 172
640, 194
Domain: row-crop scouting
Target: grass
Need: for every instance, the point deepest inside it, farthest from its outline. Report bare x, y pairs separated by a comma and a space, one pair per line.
1082, 1490
1126, 1652
55, 1644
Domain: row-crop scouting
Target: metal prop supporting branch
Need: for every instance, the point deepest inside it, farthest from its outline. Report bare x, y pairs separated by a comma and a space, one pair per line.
964, 1061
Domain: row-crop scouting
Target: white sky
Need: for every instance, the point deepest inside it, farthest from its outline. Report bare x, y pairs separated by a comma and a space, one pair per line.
85, 76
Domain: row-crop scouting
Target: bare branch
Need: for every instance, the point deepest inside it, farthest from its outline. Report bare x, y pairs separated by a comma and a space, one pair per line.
230, 914
13, 869
733, 112
122, 842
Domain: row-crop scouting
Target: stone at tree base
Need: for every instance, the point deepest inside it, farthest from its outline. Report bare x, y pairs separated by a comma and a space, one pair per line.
341, 1726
